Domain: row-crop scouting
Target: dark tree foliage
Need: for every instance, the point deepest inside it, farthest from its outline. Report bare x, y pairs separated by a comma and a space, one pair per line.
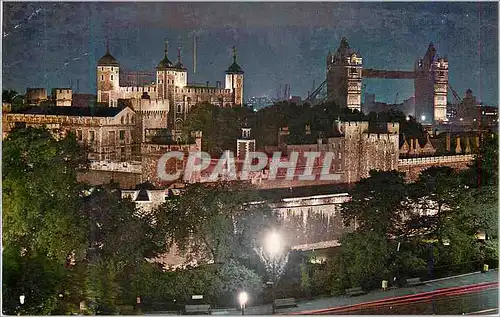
40, 193
215, 221
220, 126
484, 169
63, 241
377, 203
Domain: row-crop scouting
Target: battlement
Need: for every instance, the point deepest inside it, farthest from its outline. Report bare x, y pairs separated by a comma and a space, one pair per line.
127, 167
436, 160
137, 88
379, 136
202, 90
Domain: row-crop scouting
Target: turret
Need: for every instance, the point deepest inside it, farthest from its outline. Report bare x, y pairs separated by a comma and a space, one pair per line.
108, 78
165, 76
181, 76
234, 80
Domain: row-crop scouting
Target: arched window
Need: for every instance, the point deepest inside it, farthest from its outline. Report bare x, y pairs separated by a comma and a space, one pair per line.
122, 120
178, 124
179, 108
128, 119
111, 77
102, 77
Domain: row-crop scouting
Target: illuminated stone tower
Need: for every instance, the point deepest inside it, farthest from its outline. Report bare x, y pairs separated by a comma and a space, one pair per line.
234, 80
165, 77
245, 144
108, 79
431, 87
343, 77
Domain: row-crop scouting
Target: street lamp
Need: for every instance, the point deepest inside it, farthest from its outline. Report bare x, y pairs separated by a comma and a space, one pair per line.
21, 299
243, 298
273, 246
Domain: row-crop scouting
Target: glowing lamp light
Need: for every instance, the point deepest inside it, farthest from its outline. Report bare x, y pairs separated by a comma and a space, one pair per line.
423, 117
21, 299
243, 298
461, 119
407, 118
446, 242
273, 243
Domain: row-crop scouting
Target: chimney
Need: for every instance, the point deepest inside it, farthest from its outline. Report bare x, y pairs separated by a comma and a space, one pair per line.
458, 149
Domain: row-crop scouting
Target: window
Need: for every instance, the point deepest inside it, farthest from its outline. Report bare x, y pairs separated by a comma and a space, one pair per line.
340, 167
340, 155
122, 134
111, 77
102, 77
79, 135
91, 136
179, 108
112, 137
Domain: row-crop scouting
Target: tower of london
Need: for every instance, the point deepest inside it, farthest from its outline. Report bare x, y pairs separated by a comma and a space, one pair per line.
167, 100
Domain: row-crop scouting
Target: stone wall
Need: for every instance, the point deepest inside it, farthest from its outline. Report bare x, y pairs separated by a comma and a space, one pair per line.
98, 177
311, 220
414, 166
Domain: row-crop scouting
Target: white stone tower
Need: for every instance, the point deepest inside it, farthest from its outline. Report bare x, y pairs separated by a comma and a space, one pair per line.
108, 79
234, 80
245, 144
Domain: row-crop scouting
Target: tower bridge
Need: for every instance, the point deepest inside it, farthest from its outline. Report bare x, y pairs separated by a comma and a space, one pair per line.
345, 73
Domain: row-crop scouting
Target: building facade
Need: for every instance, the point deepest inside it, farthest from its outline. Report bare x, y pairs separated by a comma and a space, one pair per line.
171, 93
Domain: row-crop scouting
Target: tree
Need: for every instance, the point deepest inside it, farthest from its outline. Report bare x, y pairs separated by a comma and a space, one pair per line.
65, 242
40, 194
435, 195
484, 168
119, 241
220, 126
215, 222
378, 204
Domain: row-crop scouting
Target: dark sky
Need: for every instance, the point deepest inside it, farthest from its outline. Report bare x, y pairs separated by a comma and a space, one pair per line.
53, 44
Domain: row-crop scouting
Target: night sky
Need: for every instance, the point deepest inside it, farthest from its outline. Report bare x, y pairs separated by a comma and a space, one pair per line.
53, 44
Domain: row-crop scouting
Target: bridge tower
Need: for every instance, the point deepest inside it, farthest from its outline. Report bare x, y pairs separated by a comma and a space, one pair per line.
343, 77
431, 87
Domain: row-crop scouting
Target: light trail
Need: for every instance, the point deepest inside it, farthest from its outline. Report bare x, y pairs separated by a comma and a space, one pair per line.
405, 299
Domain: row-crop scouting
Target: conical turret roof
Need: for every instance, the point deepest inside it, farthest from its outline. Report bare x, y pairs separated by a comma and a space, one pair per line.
234, 68
165, 62
108, 59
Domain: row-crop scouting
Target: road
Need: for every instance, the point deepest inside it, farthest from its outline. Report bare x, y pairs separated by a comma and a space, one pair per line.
477, 298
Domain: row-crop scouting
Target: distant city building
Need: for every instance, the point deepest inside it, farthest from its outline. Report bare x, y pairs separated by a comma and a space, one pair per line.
259, 102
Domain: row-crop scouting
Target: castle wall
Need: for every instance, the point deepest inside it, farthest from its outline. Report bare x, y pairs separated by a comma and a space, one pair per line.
99, 177
414, 166
313, 219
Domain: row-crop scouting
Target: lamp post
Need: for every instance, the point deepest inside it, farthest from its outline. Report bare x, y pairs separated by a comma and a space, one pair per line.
273, 246
243, 298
